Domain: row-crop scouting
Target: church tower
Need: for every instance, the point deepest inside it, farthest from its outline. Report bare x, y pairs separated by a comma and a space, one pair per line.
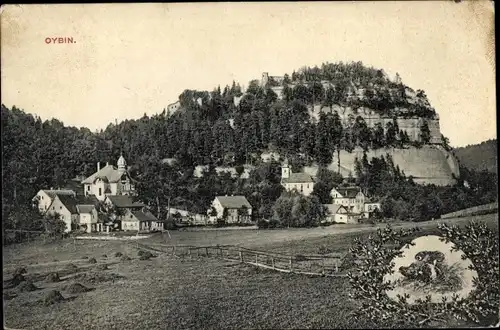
285, 170
122, 164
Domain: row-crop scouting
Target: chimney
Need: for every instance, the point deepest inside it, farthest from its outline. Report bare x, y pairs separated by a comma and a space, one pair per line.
98, 166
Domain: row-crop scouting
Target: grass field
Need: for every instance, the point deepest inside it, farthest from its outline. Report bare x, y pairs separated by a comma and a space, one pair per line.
174, 293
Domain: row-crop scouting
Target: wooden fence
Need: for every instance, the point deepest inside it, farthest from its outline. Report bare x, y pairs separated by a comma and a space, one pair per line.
476, 210
300, 264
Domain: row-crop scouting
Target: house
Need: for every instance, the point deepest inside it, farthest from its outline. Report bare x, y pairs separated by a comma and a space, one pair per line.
110, 180
141, 221
335, 213
186, 217
301, 182
65, 207
45, 197
352, 198
88, 218
370, 207
232, 209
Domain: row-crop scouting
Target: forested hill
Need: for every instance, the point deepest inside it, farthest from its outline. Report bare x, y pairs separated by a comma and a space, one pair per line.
210, 128
481, 156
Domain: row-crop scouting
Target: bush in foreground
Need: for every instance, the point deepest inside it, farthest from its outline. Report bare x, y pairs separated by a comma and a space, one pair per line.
372, 259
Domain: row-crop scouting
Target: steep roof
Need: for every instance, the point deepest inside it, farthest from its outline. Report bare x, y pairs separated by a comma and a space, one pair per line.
298, 178
144, 216
84, 208
233, 202
333, 208
108, 173
69, 202
59, 192
124, 201
87, 200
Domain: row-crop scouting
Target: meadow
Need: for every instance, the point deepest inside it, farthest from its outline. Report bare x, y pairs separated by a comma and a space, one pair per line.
168, 292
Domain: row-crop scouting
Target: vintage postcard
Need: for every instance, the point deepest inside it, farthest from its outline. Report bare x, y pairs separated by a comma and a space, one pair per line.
238, 165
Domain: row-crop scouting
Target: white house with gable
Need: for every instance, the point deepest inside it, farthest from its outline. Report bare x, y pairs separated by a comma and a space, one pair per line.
109, 180
236, 209
301, 182
45, 197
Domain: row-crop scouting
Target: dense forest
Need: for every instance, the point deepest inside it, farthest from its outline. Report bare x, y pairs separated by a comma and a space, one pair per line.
210, 129
481, 156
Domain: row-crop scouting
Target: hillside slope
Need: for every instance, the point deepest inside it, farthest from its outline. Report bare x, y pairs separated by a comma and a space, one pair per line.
481, 156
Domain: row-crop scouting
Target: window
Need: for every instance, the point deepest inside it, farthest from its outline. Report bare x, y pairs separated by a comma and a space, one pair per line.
60, 207
88, 187
100, 191
62, 217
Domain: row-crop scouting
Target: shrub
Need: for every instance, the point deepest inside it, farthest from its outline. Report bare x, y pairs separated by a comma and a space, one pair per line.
145, 255
118, 254
20, 271
92, 261
77, 288
124, 258
53, 277
27, 286
53, 297
323, 249
262, 224
372, 259
17, 279
102, 267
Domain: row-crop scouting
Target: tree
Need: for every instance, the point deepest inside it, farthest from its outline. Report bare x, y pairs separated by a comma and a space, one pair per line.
390, 134
243, 213
54, 225
378, 136
286, 79
446, 143
425, 133
323, 143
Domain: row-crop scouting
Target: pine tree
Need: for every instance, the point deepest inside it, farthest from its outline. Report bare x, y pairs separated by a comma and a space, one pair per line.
425, 133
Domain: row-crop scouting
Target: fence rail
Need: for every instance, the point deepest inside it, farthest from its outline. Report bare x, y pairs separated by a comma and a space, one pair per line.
300, 264
492, 207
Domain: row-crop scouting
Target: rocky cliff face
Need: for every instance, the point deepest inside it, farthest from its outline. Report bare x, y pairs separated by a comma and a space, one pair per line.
428, 165
411, 125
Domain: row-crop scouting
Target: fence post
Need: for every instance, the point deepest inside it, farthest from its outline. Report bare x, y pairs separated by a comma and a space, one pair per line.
241, 256
174, 250
272, 261
256, 258
323, 265
336, 266
189, 252
291, 266
206, 251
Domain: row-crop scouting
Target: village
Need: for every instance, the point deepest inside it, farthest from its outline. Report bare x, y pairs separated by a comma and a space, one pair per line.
107, 201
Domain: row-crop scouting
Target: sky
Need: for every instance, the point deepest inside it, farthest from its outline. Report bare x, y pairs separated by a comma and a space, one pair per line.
131, 59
